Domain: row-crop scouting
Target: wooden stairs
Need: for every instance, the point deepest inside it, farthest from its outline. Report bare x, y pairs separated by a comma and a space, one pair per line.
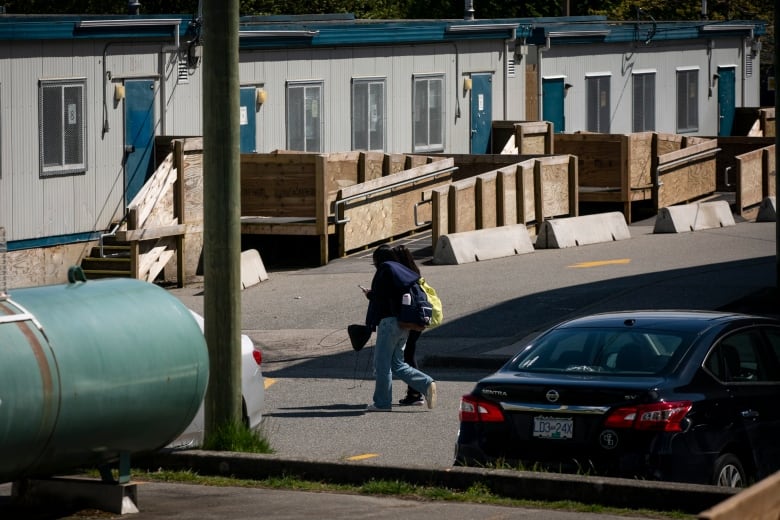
114, 263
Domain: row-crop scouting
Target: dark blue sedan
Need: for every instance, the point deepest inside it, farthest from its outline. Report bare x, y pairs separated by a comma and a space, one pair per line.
687, 396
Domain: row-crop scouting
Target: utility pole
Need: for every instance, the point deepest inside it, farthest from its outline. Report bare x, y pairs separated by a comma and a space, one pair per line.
222, 212
777, 159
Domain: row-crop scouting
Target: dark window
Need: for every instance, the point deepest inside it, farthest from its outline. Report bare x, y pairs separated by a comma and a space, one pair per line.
737, 359
368, 114
598, 103
644, 102
304, 117
687, 100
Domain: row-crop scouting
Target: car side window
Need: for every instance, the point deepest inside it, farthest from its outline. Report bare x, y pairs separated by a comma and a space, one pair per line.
773, 336
736, 358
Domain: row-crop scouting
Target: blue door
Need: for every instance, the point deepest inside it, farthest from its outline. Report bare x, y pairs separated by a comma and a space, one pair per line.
481, 112
139, 135
726, 79
248, 119
552, 103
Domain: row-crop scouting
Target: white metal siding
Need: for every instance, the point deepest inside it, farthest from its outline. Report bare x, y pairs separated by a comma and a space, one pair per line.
576, 61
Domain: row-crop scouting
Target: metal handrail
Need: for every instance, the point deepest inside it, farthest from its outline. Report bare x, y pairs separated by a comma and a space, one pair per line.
389, 187
111, 233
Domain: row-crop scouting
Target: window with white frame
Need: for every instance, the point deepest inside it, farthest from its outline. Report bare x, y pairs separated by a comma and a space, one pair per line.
1, 140
597, 92
428, 114
687, 100
643, 117
368, 114
304, 116
62, 127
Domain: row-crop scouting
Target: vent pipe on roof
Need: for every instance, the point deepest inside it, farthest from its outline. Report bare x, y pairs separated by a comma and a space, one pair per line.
468, 13
133, 7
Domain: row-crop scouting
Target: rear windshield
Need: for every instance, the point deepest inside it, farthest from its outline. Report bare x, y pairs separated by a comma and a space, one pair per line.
609, 351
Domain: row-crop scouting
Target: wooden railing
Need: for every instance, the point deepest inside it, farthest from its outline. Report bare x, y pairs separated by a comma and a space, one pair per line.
153, 229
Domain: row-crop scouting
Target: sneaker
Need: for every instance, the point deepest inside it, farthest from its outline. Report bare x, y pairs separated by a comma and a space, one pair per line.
430, 395
412, 400
372, 408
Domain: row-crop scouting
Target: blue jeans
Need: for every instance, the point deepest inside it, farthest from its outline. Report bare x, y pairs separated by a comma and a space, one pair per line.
389, 361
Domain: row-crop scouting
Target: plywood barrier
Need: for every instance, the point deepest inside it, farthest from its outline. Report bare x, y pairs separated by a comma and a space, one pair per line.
472, 165
286, 193
726, 162
390, 206
686, 174
524, 193
522, 137
663, 168
756, 179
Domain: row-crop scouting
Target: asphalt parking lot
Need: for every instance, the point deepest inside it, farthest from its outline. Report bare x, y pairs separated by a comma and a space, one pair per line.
731, 268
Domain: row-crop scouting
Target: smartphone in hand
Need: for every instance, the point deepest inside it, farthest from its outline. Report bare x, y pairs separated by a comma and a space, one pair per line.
364, 289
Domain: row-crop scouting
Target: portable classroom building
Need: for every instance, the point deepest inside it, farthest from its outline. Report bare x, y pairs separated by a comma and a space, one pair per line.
82, 99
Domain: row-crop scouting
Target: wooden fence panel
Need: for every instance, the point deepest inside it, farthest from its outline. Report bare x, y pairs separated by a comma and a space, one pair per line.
639, 154
370, 166
463, 206
384, 208
526, 205
770, 171
667, 143
683, 177
601, 158
506, 196
439, 214
749, 180
486, 203
552, 178
278, 185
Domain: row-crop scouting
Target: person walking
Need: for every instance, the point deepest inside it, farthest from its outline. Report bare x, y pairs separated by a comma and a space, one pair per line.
384, 303
413, 397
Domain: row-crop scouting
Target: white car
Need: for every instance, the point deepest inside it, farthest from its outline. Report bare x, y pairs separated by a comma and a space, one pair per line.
252, 393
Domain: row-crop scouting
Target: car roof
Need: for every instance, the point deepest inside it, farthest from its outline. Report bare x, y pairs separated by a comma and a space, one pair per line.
675, 319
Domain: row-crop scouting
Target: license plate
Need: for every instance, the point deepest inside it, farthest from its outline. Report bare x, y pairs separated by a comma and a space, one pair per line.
553, 427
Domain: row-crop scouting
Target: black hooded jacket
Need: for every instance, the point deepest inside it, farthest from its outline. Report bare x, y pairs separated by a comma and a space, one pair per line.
388, 285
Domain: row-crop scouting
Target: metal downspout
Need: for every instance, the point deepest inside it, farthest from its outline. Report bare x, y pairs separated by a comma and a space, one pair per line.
539, 90
507, 43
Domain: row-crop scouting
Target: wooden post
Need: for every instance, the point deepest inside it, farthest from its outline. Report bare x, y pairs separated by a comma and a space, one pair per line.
178, 208
321, 206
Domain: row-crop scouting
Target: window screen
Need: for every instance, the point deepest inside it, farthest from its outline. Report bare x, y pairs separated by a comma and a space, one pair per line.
304, 117
598, 103
428, 114
643, 119
62, 125
368, 115
687, 100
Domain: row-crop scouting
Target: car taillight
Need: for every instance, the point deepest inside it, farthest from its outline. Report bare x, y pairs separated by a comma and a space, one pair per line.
258, 357
474, 409
666, 417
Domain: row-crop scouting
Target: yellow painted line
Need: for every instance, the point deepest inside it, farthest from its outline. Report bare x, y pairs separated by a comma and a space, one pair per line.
267, 382
599, 263
363, 457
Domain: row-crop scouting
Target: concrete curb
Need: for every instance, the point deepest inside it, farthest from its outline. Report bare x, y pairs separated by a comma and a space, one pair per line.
614, 492
252, 268
482, 244
584, 230
694, 217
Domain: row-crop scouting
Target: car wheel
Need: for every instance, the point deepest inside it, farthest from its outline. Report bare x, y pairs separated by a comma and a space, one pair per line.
728, 472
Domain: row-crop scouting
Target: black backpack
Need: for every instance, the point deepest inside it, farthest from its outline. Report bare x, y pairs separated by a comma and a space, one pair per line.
416, 310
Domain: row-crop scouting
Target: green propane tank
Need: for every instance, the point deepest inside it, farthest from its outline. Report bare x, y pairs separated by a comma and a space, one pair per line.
93, 370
